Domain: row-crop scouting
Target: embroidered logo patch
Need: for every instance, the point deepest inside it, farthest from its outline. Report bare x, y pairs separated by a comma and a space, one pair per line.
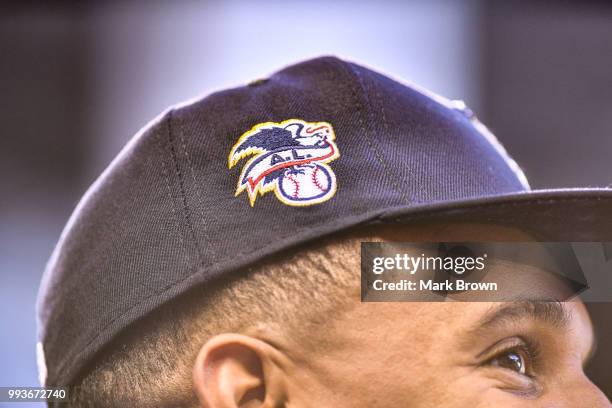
290, 158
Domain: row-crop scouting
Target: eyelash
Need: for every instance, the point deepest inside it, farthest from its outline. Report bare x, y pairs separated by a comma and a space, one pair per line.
528, 348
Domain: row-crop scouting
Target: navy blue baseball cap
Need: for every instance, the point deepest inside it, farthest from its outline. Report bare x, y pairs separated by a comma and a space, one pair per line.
213, 186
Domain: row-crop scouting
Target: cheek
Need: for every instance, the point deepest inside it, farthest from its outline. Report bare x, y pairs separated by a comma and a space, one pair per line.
393, 376
375, 376
477, 391
419, 378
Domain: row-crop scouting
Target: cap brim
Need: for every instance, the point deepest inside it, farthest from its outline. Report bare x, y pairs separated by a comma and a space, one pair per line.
549, 215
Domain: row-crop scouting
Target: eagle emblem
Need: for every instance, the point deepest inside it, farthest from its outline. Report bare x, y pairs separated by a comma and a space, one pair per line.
290, 158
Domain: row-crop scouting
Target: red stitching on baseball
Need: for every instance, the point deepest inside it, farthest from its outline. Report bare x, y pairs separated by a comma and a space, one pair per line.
297, 185
314, 179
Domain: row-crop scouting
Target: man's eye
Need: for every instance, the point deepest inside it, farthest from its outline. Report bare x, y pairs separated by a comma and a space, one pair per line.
517, 360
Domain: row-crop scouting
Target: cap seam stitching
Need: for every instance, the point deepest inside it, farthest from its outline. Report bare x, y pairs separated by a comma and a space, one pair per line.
181, 185
195, 187
166, 173
385, 123
386, 169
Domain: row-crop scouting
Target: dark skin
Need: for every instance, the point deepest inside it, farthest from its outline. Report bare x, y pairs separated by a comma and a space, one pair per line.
414, 354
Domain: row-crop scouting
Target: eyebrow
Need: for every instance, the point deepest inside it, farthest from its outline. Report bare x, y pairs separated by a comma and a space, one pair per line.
552, 313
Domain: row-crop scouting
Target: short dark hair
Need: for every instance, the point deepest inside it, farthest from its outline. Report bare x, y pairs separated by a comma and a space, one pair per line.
150, 364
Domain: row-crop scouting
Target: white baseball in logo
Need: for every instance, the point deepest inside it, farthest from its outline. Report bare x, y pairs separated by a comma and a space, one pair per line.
306, 182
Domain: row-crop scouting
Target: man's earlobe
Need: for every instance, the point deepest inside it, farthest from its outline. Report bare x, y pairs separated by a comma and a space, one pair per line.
234, 370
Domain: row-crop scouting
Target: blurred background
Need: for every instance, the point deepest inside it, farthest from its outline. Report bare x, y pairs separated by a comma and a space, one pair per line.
77, 81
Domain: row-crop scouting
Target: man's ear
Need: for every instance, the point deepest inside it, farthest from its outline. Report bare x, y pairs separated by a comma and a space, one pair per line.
234, 370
